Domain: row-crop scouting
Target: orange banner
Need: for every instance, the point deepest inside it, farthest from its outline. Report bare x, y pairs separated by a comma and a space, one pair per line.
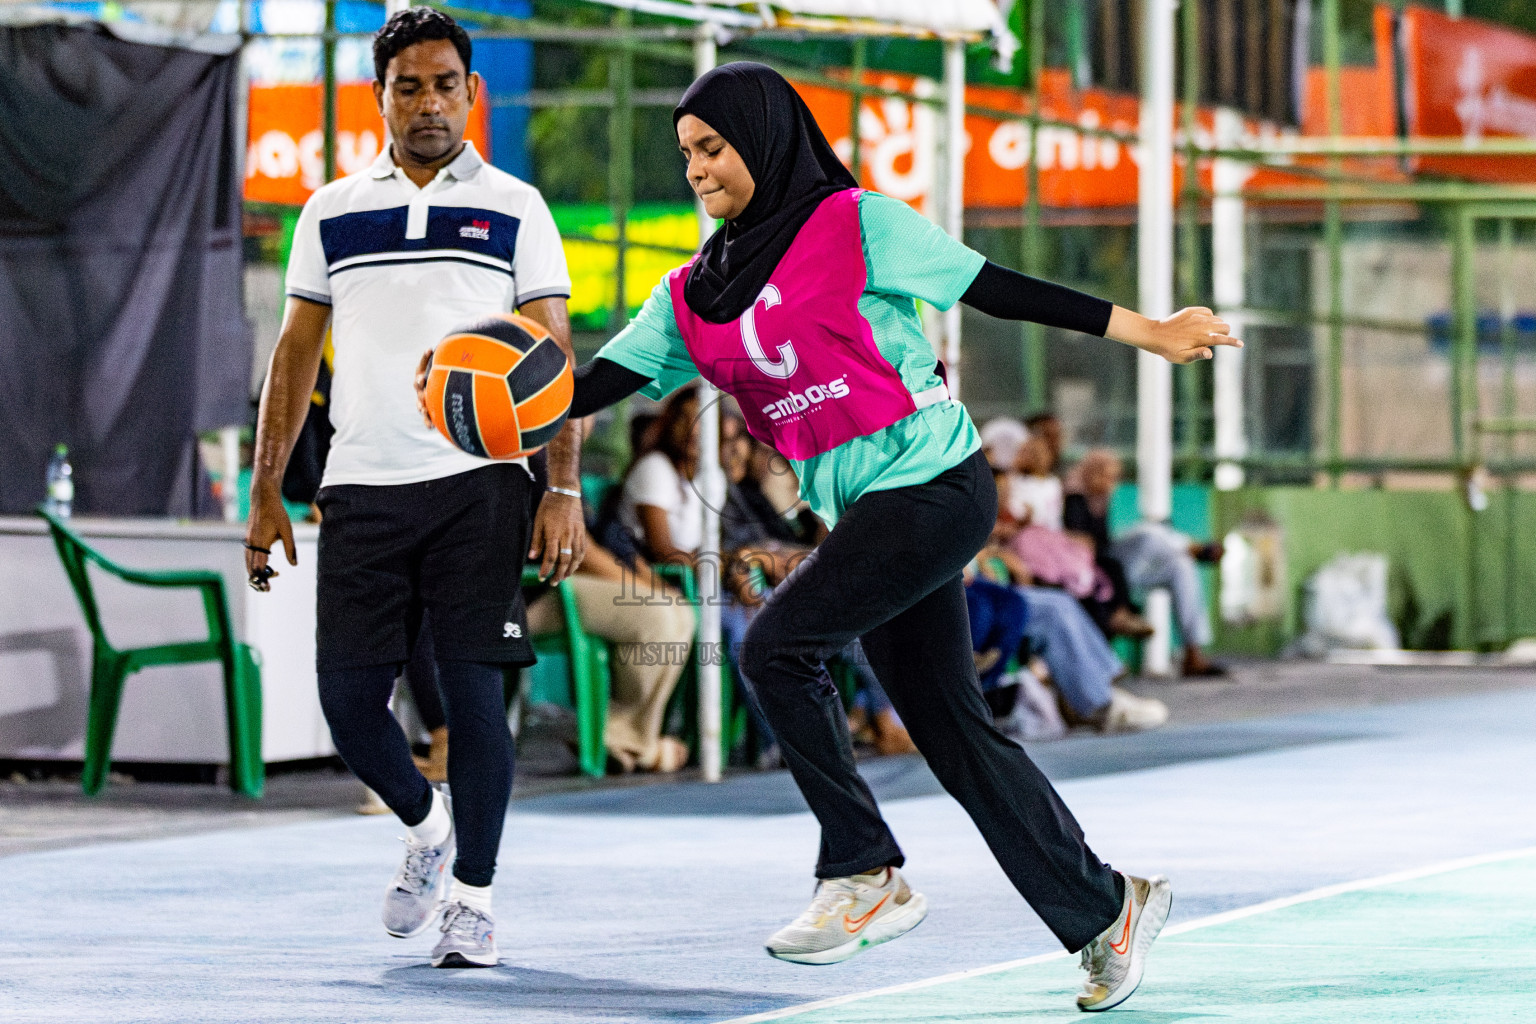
1470, 79
285, 159
899, 143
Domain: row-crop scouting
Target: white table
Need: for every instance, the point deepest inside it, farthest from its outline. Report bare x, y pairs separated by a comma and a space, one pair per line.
173, 713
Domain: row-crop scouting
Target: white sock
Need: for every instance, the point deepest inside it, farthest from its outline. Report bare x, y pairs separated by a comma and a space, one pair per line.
476, 896
434, 828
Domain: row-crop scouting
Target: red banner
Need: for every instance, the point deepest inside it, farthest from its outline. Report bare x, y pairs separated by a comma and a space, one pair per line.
285, 158
1470, 79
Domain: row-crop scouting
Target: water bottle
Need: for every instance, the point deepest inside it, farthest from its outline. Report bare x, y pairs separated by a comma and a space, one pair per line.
61, 483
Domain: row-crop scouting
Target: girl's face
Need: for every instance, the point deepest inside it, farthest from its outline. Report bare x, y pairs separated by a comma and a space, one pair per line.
685, 430
716, 171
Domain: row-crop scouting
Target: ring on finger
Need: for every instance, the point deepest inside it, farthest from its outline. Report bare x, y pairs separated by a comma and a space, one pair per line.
565, 551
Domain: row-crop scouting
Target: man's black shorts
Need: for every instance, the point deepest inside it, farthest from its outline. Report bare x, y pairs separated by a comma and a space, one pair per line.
454, 546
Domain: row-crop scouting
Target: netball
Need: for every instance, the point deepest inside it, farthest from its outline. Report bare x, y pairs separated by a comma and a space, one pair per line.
499, 388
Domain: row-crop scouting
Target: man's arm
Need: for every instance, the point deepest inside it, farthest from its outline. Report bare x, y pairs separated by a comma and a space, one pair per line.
559, 539
284, 403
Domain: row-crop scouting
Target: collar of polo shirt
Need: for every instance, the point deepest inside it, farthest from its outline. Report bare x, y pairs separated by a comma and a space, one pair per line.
461, 168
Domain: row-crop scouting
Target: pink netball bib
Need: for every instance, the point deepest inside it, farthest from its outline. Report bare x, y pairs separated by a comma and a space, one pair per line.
802, 361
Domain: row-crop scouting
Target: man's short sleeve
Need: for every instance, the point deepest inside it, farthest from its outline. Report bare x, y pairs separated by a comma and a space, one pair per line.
308, 273
653, 346
905, 253
538, 266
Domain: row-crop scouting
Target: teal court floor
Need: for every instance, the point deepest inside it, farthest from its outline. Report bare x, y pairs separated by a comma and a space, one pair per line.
1452, 942
1409, 826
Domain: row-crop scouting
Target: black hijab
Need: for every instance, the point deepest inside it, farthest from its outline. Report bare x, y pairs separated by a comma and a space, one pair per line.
793, 168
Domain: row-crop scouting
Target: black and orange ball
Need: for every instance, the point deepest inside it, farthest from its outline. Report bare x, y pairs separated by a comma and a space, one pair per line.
500, 387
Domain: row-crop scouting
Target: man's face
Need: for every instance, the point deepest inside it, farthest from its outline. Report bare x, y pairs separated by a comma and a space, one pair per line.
425, 99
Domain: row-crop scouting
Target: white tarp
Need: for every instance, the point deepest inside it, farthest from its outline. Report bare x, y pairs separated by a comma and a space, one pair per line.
179, 23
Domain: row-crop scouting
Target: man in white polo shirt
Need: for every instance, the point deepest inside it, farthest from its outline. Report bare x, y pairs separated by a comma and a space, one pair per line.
391, 259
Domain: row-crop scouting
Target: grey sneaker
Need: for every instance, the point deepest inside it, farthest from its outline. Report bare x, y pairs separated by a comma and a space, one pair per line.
416, 891
847, 916
1115, 960
469, 938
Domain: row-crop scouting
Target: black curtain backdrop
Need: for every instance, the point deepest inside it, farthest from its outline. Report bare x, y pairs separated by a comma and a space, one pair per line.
122, 332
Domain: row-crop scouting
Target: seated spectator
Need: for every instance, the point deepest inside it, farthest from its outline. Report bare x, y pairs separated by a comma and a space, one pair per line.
605, 589
1081, 664
1047, 427
1034, 492
997, 615
658, 502
1154, 555
755, 535
872, 718
1029, 518
1060, 557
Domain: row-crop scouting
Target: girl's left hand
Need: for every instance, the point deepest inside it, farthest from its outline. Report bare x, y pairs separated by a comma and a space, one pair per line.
1187, 336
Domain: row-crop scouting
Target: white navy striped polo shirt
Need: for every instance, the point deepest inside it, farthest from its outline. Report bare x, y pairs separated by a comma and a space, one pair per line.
400, 266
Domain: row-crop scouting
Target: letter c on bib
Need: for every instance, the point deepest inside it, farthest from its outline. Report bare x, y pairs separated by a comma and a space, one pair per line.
787, 362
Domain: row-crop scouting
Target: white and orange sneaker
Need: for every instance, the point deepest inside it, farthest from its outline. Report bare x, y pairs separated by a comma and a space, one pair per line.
847, 916
1115, 960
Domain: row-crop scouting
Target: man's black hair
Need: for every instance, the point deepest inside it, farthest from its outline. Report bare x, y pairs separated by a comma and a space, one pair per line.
416, 25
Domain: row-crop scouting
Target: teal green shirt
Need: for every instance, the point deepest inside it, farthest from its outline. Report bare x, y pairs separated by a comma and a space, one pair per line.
906, 257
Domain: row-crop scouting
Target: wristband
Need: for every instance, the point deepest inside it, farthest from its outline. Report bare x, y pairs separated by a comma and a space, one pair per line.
562, 490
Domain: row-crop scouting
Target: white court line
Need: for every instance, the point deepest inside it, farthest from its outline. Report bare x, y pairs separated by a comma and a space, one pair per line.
1326, 892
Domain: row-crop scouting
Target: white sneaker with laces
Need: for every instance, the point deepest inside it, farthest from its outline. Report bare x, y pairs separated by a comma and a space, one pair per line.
416, 892
847, 916
1115, 960
469, 938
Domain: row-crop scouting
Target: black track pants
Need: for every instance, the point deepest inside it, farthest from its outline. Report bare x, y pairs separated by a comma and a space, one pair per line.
889, 573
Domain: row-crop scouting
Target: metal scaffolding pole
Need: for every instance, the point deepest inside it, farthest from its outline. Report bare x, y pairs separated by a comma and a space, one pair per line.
1507, 406
954, 187
328, 90
1034, 256
856, 101
1333, 238
711, 481
1464, 340
621, 163
1190, 407
1229, 262
1154, 258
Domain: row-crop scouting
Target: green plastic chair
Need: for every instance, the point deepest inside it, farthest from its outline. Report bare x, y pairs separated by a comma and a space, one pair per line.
590, 675
110, 667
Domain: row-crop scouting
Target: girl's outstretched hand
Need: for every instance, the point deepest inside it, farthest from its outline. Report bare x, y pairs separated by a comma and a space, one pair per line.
1185, 337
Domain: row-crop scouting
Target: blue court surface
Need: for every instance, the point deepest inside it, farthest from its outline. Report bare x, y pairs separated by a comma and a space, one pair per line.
1367, 865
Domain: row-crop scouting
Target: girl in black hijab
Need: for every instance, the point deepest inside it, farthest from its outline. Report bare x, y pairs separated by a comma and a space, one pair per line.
803, 308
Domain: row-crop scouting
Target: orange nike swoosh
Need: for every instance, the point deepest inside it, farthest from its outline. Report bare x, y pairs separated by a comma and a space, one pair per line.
853, 924
1125, 939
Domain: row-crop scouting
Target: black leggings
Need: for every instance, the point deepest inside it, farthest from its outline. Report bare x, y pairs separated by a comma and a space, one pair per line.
421, 677
480, 756
890, 573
